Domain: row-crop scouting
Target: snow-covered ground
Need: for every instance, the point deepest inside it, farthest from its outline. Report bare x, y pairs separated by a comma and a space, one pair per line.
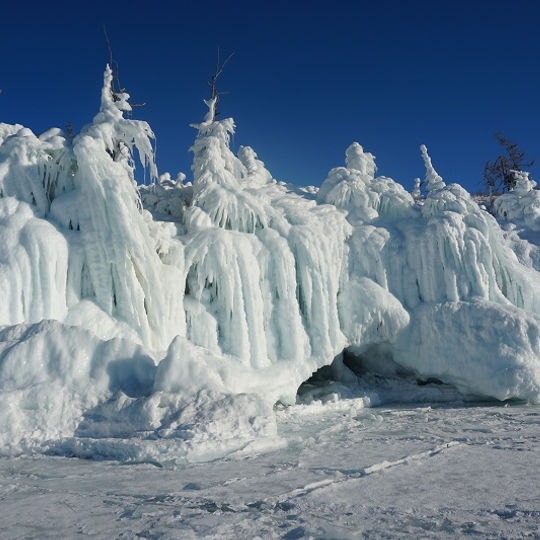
346, 471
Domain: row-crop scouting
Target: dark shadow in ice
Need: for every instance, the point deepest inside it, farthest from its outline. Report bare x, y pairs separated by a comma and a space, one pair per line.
371, 373
134, 378
298, 532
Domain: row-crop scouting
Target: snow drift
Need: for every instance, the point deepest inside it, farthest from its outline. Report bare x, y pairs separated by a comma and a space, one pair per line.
163, 322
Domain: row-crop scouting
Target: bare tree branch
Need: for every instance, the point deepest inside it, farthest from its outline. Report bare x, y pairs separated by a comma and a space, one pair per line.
220, 66
116, 87
108, 45
70, 131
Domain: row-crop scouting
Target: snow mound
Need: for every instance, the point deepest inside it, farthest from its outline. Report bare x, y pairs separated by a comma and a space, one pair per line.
171, 429
51, 374
482, 348
64, 391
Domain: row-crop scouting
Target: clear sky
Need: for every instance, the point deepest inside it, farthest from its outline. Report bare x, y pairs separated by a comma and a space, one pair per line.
304, 83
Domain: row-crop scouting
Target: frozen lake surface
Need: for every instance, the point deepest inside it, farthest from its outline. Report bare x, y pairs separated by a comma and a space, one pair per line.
344, 471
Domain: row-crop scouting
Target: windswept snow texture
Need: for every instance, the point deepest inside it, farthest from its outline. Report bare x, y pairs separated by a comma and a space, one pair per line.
162, 322
347, 472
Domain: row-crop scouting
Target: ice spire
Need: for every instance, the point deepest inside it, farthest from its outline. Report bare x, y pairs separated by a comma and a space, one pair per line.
364, 162
211, 114
257, 173
433, 179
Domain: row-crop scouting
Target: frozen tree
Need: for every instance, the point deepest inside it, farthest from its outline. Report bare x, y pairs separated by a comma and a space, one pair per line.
122, 268
499, 173
34, 169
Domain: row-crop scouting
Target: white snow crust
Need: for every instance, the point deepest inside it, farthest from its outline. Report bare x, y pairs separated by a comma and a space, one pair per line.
440, 471
162, 322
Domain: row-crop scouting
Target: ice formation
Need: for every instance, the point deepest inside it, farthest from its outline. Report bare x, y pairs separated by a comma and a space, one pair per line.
164, 321
521, 205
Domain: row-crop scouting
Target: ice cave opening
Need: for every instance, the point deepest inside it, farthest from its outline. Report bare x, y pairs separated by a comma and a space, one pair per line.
371, 372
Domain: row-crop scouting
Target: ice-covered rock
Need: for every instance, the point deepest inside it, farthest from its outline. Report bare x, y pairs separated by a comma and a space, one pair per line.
482, 348
417, 277
162, 322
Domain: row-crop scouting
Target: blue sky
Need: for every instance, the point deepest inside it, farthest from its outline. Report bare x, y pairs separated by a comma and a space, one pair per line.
304, 83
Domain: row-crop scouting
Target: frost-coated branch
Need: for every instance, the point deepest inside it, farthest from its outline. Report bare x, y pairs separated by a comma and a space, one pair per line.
214, 96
